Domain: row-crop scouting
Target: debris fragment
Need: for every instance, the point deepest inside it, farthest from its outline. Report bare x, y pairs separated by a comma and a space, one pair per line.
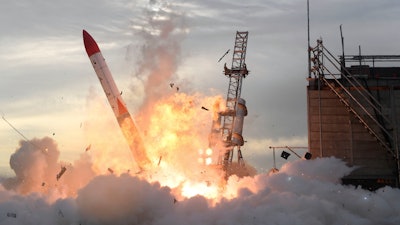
285, 155
62, 171
110, 170
60, 213
159, 161
204, 108
224, 55
11, 215
88, 147
172, 86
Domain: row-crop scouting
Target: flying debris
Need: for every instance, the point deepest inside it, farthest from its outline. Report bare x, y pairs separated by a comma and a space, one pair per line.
285, 155
204, 108
110, 170
60, 213
125, 120
159, 161
172, 86
224, 55
62, 171
88, 147
14, 215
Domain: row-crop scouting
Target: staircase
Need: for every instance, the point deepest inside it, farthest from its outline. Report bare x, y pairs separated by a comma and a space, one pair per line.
357, 99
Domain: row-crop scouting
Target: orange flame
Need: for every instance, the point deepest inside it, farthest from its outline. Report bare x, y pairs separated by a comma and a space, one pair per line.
176, 128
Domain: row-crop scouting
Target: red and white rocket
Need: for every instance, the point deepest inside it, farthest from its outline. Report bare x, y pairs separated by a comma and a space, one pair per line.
118, 105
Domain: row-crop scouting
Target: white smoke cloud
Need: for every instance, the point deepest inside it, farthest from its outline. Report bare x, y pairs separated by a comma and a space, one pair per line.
162, 29
302, 192
123, 200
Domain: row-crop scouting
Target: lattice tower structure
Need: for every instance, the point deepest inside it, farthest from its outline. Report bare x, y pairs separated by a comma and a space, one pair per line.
232, 117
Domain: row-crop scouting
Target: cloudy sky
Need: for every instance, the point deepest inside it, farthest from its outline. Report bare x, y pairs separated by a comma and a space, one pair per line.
47, 79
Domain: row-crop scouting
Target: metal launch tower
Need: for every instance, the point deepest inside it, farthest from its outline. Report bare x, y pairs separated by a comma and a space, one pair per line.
226, 132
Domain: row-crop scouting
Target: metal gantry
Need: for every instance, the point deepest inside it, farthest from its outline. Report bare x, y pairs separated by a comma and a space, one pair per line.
236, 74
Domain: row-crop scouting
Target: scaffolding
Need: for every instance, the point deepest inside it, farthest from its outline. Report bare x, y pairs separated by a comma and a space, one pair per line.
350, 86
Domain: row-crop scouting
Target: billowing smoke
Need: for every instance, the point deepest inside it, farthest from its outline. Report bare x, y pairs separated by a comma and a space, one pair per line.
34, 164
302, 192
123, 200
174, 126
104, 187
162, 30
38, 170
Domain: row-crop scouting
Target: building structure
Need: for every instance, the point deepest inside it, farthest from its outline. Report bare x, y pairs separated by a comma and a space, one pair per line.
354, 112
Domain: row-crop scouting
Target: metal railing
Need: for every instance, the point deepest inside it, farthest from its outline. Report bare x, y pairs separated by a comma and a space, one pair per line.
360, 106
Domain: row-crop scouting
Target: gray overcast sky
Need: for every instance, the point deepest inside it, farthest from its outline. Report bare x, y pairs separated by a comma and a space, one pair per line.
47, 77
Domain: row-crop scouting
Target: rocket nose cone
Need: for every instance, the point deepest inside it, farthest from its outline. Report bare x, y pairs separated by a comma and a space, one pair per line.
90, 44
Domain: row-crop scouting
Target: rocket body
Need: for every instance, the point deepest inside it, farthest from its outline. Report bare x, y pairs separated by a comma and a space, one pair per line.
125, 120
